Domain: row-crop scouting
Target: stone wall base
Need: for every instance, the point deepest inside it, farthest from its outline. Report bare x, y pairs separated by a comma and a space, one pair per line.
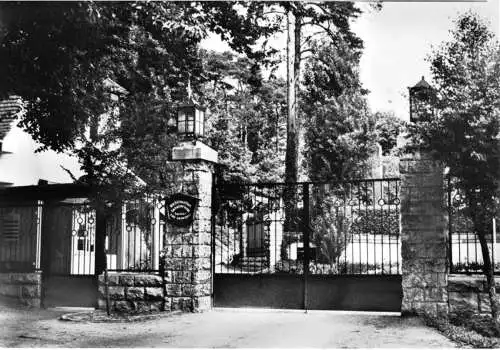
432, 309
188, 304
22, 287
469, 294
144, 293
132, 293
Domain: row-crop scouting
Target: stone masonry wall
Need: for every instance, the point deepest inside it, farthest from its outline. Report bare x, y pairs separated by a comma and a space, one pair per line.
132, 292
25, 288
186, 256
185, 283
423, 237
468, 294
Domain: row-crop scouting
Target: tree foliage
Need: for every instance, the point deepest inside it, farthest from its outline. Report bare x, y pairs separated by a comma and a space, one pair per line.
330, 21
339, 130
387, 129
58, 56
247, 114
332, 234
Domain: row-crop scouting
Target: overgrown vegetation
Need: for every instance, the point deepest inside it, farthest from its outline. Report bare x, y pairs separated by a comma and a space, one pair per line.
376, 222
468, 330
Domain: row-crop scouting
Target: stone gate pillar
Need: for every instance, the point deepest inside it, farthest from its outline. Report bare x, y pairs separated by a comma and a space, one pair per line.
186, 254
423, 236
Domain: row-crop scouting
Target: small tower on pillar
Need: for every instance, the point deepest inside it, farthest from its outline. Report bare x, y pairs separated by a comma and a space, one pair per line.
191, 130
422, 102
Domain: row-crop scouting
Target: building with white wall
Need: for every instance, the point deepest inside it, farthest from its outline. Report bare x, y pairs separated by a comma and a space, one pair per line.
20, 164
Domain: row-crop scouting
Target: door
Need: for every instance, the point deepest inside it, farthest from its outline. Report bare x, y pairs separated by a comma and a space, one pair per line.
68, 255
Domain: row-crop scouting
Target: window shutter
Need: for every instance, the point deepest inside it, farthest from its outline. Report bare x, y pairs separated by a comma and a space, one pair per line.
10, 224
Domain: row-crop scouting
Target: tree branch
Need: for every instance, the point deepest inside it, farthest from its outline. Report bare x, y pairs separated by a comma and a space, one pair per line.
326, 29
307, 57
319, 6
310, 37
274, 11
306, 50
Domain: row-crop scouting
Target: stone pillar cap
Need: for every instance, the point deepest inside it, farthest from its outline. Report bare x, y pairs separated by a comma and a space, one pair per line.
194, 150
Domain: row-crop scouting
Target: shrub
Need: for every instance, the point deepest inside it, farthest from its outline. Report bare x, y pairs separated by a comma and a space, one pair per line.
330, 235
482, 324
376, 222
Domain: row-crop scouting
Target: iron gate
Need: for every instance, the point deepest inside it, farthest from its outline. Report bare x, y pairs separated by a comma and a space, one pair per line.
71, 252
308, 245
57, 230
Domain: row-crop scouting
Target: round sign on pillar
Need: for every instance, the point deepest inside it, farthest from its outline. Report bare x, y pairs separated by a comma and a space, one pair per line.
180, 209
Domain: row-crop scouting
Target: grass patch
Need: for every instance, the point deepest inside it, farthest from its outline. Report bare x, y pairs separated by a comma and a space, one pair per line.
476, 331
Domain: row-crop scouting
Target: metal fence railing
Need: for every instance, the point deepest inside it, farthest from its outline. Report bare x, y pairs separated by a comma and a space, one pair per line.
344, 228
465, 253
135, 236
68, 236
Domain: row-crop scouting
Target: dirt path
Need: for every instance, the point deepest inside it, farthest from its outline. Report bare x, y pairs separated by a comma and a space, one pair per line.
216, 329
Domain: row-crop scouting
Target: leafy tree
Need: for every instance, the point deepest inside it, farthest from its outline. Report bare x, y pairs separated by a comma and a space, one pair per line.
339, 133
246, 118
464, 134
338, 137
387, 129
302, 22
57, 56
329, 20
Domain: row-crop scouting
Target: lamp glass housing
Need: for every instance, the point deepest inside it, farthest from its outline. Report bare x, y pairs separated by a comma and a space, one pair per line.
422, 102
191, 121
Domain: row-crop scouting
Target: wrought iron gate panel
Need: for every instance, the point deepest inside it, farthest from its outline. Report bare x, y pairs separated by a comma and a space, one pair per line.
291, 238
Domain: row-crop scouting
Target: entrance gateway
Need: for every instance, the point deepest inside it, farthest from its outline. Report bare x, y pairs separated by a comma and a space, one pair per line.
329, 246
69, 248
79, 242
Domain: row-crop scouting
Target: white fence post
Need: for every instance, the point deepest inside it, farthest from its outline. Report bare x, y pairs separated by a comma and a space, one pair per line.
494, 243
155, 228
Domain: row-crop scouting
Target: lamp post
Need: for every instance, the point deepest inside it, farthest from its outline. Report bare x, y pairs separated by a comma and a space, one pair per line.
422, 100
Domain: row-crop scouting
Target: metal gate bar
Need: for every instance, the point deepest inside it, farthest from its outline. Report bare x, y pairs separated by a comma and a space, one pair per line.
295, 239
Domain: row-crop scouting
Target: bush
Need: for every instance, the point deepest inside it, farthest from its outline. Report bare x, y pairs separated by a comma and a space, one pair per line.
376, 222
482, 324
289, 266
472, 267
331, 233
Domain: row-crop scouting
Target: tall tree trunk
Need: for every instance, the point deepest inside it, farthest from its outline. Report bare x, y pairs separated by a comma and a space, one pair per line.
94, 128
291, 159
488, 269
292, 77
296, 88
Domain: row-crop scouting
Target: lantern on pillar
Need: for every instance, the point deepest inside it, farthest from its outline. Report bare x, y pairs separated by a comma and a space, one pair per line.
191, 128
191, 120
422, 101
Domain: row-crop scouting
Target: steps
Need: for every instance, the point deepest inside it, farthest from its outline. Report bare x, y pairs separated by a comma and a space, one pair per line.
253, 263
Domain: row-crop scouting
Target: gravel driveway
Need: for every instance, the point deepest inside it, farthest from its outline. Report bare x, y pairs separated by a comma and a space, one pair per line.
221, 328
